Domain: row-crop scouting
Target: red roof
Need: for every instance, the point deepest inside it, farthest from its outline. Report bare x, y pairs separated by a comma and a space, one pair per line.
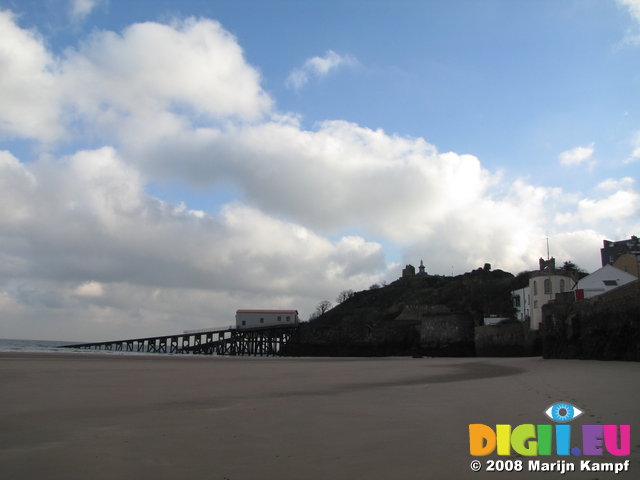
267, 311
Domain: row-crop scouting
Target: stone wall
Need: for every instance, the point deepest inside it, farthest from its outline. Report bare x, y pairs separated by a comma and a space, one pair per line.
354, 339
508, 339
606, 327
447, 334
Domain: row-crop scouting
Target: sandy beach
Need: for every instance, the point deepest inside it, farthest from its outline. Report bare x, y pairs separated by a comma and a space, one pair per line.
97, 417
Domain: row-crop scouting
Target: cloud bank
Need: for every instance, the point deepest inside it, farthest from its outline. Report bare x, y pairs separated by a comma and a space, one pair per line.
86, 252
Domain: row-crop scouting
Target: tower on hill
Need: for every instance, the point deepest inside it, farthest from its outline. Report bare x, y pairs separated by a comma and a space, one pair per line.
421, 268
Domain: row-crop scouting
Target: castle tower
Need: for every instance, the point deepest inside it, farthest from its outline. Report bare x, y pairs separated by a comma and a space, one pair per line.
421, 269
547, 265
408, 271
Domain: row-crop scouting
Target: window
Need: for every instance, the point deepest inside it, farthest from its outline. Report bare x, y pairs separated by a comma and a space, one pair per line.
516, 301
535, 287
244, 322
610, 283
562, 285
288, 318
262, 320
535, 304
547, 286
279, 318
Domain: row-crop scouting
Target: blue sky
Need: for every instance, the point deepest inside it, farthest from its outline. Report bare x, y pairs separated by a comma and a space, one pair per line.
311, 146
512, 82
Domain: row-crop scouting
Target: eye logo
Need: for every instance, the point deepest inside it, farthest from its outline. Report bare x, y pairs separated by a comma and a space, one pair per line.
563, 412
531, 440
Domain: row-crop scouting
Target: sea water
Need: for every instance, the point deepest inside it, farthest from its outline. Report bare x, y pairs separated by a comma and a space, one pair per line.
50, 346
12, 345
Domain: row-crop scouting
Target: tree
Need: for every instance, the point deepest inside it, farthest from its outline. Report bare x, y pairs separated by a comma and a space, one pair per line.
344, 296
571, 267
521, 280
323, 307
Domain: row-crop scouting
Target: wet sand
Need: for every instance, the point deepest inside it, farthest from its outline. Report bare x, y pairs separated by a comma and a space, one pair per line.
103, 417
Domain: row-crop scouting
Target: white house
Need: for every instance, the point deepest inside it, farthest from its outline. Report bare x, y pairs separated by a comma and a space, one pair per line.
601, 281
522, 303
265, 318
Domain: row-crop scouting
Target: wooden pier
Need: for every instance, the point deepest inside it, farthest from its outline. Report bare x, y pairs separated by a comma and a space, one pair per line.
258, 341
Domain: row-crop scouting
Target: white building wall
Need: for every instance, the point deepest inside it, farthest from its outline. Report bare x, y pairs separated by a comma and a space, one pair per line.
602, 280
555, 283
265, 318
522, 304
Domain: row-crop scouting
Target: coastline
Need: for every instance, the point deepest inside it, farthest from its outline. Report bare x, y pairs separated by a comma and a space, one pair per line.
71, 416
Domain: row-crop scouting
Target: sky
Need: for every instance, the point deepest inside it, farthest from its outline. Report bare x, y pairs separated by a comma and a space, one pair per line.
163, 163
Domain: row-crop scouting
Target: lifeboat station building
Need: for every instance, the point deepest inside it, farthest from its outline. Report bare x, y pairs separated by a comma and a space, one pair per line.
265, 318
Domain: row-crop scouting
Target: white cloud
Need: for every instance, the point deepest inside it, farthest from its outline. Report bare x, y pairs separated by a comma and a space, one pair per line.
153, 68
633, 7
581, 246
89, 289
611, 184
80, 9
151, 73
328, 178
16, 186
104, 246
635, 153
318, 67
618, 206
577, 156
342, 176
28, 87
617, 214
